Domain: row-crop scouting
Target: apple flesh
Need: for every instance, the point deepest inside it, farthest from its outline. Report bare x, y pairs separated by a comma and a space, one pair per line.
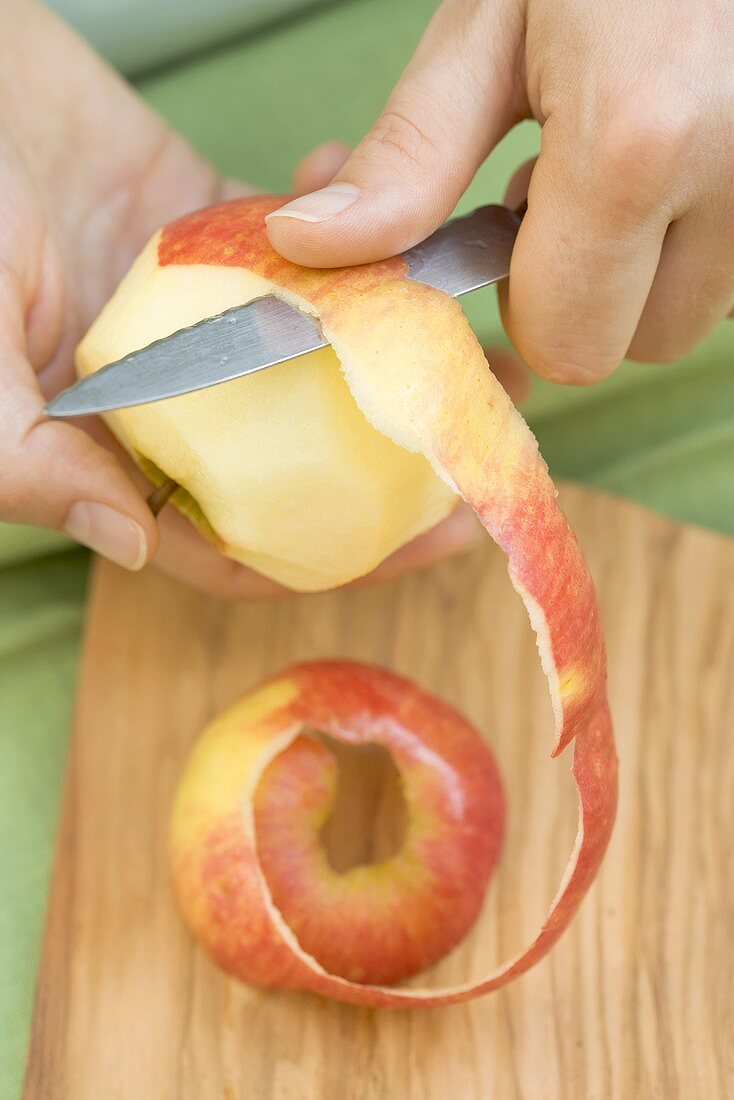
375, 923
281, 470
411, 368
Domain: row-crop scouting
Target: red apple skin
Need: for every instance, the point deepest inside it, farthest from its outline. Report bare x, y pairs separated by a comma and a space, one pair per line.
504, 479
432, 392
376, 924
383, 923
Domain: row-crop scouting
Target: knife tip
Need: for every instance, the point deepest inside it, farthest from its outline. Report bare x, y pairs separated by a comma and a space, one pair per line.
57, 409
67, 404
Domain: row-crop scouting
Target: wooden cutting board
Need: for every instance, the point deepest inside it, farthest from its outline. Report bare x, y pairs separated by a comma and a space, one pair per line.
635, 1001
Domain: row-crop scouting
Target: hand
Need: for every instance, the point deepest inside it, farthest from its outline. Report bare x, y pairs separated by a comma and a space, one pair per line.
627, 247
87, 173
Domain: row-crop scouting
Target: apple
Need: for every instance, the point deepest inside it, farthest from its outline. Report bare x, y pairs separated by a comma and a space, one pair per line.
252, 878
268, 465
401, 914
312, 472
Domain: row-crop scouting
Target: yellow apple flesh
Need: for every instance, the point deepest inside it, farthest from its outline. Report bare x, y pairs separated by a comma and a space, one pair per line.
280, 469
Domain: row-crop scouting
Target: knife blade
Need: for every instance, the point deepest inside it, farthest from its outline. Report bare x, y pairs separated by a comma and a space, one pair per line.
464, 254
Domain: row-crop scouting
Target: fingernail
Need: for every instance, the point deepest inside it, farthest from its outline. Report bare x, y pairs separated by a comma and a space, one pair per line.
319, 205
111, 534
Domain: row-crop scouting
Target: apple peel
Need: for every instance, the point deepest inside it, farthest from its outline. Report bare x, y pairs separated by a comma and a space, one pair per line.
404, 912
440, 401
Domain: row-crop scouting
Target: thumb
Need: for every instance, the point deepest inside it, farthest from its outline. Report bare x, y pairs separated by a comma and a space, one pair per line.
53, 474
454, 102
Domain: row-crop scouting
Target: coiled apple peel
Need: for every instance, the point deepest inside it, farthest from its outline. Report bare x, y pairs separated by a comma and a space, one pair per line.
419, 377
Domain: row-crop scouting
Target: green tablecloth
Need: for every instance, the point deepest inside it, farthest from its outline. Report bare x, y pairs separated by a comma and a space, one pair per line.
662, 435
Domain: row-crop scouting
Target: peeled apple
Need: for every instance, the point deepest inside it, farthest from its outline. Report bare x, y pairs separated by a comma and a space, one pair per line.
281, 470
312, 472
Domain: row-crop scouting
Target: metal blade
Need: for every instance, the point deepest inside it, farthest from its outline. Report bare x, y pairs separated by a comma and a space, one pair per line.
466, 253
241, 341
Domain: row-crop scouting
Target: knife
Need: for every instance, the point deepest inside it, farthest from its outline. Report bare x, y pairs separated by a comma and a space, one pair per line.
464, 254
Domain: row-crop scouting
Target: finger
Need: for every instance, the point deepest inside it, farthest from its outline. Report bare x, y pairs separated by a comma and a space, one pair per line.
230, 188
519, 185
320, 166
316, 169
44, 317
457, 97
510, 372
54, 475
588, 248
186, 555
183, 553
457, 534
460, 532
693, 287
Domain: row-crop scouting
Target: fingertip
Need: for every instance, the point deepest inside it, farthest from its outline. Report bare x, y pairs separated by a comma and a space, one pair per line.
231, 188
116, 489
294, 241
183, 553
320, 166
459, 533
319, 229
510, 371
566, 366
574, 374
109, 532
567, 361
519, 185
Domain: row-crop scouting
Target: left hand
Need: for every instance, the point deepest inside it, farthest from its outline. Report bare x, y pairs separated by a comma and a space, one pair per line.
89, 172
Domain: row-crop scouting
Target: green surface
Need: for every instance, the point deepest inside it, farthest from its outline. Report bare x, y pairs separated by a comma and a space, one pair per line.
662, 435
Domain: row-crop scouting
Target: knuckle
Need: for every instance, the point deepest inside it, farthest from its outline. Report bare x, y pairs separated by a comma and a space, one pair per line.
404, 138
60, 446
38, 460
645, 142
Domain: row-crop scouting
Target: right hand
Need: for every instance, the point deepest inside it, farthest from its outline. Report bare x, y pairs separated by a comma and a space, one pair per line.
627, 247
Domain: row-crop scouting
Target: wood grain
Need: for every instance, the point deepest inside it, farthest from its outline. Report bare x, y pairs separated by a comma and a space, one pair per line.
636, 1000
